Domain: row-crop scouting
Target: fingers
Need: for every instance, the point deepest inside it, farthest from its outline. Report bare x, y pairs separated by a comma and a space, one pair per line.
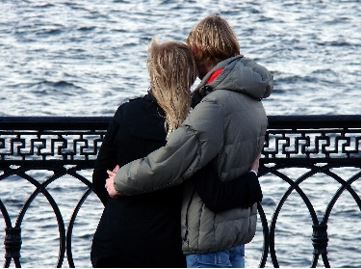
111, 173
106, 183
116, 168
109, 186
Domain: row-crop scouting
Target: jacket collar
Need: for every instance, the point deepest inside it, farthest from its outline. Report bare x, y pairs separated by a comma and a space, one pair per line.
212, 76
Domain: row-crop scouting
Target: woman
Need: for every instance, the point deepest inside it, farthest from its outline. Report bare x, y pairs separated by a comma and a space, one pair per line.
144, 230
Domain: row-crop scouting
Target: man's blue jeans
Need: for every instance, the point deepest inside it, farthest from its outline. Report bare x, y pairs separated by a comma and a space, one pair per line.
233, 257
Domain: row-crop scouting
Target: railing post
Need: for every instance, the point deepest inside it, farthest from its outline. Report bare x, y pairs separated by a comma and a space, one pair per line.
13, 244
319, 239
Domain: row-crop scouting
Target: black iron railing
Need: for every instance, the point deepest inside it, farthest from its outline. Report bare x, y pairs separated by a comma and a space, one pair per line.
66, 146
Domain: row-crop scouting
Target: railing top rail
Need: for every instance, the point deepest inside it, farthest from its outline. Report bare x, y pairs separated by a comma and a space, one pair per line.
314, 121
97, 122
54, 123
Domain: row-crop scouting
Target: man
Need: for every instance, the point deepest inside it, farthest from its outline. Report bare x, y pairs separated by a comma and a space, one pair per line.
227, 126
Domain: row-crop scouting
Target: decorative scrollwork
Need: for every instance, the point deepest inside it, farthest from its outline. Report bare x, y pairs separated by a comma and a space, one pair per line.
315, 144
66, 146
54, 145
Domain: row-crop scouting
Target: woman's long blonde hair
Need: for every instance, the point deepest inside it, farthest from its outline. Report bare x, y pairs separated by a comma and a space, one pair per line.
172, 72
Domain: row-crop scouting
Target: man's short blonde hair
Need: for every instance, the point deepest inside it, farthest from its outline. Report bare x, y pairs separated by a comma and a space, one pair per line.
212, 40
172, 70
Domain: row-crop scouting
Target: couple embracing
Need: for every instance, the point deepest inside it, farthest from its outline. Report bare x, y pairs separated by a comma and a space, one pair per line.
177, 171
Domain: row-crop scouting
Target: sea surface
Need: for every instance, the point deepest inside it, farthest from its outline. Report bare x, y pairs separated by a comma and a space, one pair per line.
85, 57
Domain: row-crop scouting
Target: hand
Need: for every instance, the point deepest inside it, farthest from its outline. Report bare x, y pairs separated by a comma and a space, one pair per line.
255, 164
109, 184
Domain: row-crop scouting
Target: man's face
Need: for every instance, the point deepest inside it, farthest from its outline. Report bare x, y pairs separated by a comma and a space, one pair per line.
200, 67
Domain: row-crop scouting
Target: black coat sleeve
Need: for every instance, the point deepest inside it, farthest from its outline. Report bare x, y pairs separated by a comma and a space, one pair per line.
106, 159
219, 196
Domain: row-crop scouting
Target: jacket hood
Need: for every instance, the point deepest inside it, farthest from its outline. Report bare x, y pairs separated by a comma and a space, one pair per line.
242, 75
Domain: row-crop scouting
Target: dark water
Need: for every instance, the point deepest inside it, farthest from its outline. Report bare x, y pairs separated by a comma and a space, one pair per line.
83, 57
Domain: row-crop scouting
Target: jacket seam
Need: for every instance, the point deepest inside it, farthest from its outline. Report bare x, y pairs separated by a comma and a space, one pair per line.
187, 217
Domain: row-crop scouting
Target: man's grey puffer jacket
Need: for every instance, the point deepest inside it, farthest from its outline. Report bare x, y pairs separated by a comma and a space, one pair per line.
229, 124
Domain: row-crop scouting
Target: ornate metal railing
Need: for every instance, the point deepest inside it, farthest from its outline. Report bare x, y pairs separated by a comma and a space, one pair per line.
66, 146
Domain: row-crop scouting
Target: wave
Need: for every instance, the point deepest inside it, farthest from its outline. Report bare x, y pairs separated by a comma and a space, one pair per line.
45, 5
323, 71
47, 88
58, 84
268, 201
86, 28
54, 31
297, 79
336, 43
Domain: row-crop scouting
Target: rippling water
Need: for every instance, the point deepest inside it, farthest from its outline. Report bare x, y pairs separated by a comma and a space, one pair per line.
85, 57
81, 57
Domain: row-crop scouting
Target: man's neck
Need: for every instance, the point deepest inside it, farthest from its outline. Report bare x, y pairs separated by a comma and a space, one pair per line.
203, 70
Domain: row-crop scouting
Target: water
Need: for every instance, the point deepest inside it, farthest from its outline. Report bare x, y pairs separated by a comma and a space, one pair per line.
81, 57
85, 57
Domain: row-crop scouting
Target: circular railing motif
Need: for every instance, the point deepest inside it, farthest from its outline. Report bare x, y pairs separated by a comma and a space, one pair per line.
67, 146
